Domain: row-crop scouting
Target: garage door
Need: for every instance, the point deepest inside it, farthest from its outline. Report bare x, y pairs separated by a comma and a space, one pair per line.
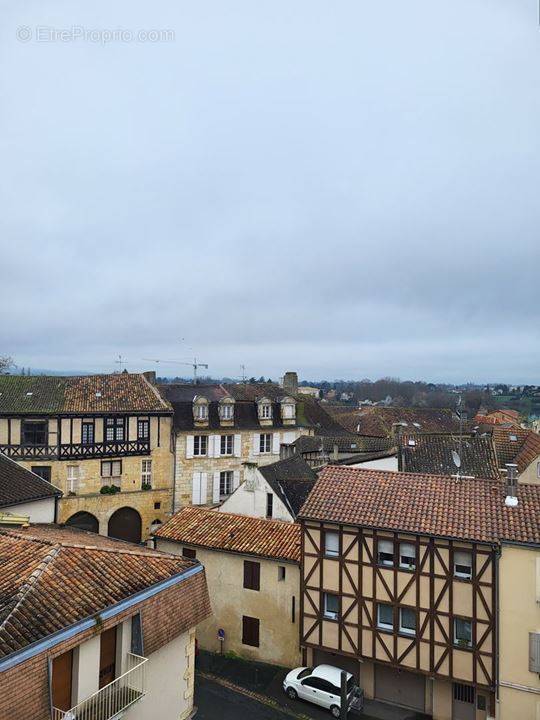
320, 657
400, 687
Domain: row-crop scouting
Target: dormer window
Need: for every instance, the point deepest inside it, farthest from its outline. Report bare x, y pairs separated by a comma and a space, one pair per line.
264, 409
200, 409
288, 408
226, 409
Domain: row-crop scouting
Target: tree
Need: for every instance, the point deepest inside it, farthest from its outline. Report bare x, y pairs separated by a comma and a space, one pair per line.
6, 363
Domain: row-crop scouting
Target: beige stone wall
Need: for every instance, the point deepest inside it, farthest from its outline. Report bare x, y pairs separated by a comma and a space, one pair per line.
185, 467
272, 605
530, 474
87, 495
519, 603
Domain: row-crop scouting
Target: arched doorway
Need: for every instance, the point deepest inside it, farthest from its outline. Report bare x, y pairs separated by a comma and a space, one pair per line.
84, 521
125, 524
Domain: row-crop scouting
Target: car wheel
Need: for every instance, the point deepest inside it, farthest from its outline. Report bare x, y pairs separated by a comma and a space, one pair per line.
291, 692
336, 712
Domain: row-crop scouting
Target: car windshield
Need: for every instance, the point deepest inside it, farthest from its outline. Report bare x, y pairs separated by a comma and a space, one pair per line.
305, 673
350, 684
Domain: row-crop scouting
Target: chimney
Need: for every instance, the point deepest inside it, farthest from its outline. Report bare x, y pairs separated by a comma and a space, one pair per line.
335, 452
290, 383
150, 375
511, 485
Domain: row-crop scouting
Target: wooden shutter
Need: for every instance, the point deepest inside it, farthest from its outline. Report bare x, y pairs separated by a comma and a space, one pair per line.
275, 444
236, 479
137, 646
189, 446
203, 489
256, 443
250, 631
62, 670
196, 489
215, 490
252, 575
237, 446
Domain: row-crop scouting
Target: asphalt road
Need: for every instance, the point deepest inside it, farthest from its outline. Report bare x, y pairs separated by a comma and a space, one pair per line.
215, 702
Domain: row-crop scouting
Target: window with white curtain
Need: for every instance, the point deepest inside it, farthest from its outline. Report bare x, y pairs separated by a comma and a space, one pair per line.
385, 552
407, 556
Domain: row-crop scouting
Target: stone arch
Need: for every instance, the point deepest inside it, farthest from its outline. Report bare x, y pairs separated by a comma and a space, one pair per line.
84, 521
125, 524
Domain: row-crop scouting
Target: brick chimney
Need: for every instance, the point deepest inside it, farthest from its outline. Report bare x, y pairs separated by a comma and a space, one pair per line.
150, 375
511, 485
290, 383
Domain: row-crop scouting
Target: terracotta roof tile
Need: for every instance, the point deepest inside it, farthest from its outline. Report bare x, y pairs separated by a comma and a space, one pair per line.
508, 443
234, 533
53, 577
472, 509
50, 395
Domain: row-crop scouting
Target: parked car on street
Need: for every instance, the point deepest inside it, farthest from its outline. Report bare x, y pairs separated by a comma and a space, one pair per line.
320, 685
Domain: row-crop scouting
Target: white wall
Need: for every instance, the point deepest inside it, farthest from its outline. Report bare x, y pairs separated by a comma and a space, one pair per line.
253, 502
169, 682
389, 463
86, 669
39, 511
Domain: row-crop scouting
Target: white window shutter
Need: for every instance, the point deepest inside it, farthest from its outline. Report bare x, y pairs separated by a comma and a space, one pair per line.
196, 489
189, 446
217, 445
256, 443
203, 489
215, 492
236, 479
275, 444
237, 446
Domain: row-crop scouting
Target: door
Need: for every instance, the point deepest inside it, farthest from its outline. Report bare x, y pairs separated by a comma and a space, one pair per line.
464, 702
62, 670
400, 687
107, 657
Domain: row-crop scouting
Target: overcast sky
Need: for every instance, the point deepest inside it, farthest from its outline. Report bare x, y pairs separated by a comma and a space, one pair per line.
346, 188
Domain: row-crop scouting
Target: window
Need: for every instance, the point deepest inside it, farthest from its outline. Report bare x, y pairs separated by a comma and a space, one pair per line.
266, 411
189, 553
73, 478
200, 443
111, 468
143, 429
534, 652
34, 433
201, 412
407, 621
281, 572
462, 632
227, 444
293, 609
44, 471
252, 575
385, 616
288, 411
269, 505
227, 411
146, 473
462, 565
407, 556
157, 506
114, 429
385, 552
331, 606
265, 442
225, 482
464, 693
250, 631
331, 544
87, 433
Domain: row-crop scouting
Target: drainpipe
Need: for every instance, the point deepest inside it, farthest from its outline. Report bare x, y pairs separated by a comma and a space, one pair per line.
497, 615
174, 439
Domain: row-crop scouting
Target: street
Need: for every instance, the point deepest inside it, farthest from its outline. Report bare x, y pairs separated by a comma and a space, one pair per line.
215, 702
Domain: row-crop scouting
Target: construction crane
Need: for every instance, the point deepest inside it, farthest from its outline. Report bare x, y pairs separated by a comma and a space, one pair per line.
195, 365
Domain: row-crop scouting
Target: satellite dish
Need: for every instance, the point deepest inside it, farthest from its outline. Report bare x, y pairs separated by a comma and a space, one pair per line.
456, 458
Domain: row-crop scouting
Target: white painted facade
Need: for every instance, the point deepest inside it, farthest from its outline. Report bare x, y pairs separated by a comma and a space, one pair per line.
251, 499
388, 463
39, 511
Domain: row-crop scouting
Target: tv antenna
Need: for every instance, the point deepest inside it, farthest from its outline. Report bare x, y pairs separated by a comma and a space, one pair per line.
243, 368
121, 361
195, 365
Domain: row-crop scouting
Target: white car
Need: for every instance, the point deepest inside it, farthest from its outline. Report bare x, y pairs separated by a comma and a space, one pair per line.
320, 685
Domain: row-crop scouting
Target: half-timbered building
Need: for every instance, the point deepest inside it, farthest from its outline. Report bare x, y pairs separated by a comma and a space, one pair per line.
401, 575
104, 440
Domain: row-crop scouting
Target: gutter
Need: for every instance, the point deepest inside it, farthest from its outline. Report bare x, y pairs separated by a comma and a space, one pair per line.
60, 636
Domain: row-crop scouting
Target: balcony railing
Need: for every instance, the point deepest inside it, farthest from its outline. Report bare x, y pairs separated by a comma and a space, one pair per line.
112, 699
76, 451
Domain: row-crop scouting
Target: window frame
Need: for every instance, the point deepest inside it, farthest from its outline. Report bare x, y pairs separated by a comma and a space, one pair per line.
383, 625
190, 553
146, 474
144, 425
266, 411
224, 442
226, 482
458, 574
197, 445
269, 505
406, 566
329, 614
265, 448
386, 563
327, 552
88, 432
31, 425
73, 477
282, 573
402, 628
458, 641
111, 463
117, 426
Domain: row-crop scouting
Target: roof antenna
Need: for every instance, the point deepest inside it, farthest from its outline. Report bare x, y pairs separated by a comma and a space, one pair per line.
456, 456
243, 368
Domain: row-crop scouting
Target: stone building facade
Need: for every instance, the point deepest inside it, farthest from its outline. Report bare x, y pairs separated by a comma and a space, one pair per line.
104, 440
